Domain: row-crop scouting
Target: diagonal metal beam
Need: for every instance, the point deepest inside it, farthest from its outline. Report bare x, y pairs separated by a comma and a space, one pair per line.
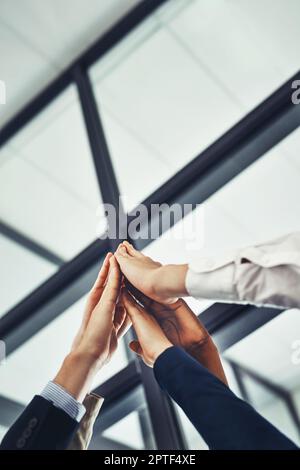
231, 323
107, 181
29, 244
244, 143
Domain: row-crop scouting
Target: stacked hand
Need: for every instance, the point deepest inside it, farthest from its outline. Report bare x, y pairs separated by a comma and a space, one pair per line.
162, 283
148, 302
161, 325
104, 322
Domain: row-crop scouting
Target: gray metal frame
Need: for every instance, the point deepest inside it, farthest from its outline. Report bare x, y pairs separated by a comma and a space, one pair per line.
240, 146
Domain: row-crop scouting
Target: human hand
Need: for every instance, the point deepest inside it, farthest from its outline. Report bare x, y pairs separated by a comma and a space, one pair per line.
104, 322
161, 283
183, 328
151, 339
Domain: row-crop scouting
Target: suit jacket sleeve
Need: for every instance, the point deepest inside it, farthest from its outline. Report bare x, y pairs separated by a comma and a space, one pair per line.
223, 420
40, 426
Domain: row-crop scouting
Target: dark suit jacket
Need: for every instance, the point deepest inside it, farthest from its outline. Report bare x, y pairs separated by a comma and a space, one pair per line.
40, 426
223, 420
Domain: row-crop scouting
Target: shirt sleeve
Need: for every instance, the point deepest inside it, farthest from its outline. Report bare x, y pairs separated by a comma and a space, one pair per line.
60, 398
265, 274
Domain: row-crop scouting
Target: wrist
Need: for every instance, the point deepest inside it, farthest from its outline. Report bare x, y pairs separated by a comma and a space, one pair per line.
76, 374
162, 348
170, 281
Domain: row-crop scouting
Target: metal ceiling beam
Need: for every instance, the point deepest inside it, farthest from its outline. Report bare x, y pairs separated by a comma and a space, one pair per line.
238, 321
244, 143
29, 244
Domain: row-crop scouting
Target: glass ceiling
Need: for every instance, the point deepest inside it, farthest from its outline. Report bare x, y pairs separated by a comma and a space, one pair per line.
165, 93
184, 77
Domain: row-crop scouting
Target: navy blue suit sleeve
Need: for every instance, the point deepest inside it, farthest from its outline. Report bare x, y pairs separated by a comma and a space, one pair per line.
223, 420
40, 426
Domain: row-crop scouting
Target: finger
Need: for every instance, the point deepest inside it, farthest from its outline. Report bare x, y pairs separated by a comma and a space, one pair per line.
95, 293
138, 295
144, 324
122, 253
112, 289
134, 311
120, 314
103, 273
131, 250
136, 347
124, 327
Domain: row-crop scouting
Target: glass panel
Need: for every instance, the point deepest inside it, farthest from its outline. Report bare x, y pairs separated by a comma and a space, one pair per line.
127, 432
271, 353
192, 438
49, 190
3, 431
125, 424
263, 199
272, 407
30, 367
15, 262
186, 75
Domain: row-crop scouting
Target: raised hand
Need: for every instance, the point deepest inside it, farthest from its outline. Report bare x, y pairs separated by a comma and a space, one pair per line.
104, 322
183, 328
162, 283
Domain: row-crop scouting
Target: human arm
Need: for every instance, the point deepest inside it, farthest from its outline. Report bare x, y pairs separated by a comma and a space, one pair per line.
50, 422
264, 274
223, 420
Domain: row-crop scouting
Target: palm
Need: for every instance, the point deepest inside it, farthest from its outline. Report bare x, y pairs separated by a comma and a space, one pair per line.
179, 323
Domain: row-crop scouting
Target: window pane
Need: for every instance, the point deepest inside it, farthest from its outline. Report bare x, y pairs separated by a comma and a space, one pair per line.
271, 406
127, 432
125, 424
185, 76
48, 186
270, 353
20, 272
3, 431
263, 199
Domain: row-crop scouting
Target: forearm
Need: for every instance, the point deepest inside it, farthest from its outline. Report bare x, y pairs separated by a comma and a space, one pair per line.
76, 374
169, 280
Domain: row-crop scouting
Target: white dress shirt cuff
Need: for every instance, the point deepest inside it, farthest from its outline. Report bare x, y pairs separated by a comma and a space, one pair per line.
217, 284
60, 398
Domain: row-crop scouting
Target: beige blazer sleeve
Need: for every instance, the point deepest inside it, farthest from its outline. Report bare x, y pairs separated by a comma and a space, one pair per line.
82, 438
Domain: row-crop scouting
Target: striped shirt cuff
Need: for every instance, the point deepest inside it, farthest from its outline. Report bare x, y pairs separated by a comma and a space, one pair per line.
60, 398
